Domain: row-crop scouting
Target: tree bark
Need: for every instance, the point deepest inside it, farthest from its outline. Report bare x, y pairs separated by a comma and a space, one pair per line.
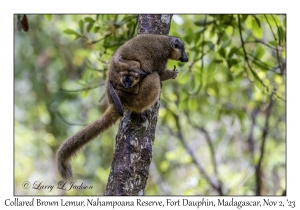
135, 138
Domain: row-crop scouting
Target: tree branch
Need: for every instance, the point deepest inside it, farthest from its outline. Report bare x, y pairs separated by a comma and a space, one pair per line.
251, 139
212, 150
216, 184
258, 169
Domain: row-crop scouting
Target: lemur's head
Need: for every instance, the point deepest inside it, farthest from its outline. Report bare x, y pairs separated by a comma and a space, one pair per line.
130, 78
177, 52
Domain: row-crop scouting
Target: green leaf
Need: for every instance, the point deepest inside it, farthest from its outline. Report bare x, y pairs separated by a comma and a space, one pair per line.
239, 52
281, 35
273, 43
256, 29
222, 52
232, 51
129, 18
71, 32
211, 45
192, 81
224, 36
197, 86
84, 93
248, 22
81, 26
224, 20
203, 22
218, 61
192, 104
261, 65
226, 43
81, 82
197, 36
189, 35
183, 104
96, 29
273, 20
48, 17
90, 26
257, 21
259, 53
88, 19
188, 39
244, 17
233, 62
77, 37
249, 75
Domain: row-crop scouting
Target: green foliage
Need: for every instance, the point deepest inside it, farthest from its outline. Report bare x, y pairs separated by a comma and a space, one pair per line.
214, 111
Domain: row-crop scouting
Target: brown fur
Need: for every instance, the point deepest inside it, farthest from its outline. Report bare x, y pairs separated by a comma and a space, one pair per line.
148, 53
144, 54
74, 143
133, 83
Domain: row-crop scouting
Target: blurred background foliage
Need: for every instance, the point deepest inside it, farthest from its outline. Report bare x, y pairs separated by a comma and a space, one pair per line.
222, 122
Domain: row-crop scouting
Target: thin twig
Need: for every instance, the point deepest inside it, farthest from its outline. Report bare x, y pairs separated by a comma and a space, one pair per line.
89, 66
253, 58
96, 41
271, 27
245, 54
84, 89
103, 96
65, 121
277, 53
261, 42
202, 58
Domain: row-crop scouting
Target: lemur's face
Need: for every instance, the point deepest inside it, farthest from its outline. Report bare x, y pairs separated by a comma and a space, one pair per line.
129, 79
178, 52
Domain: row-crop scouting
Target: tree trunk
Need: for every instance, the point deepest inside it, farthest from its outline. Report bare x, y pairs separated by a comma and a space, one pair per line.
135, 138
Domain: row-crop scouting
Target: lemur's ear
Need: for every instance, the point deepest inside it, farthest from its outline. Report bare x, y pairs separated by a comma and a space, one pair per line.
174, 42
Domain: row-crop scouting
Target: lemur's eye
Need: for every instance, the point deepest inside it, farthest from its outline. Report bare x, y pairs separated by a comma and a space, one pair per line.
176, 45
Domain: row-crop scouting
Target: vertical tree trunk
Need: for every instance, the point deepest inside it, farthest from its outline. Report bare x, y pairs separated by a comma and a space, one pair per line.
135, 138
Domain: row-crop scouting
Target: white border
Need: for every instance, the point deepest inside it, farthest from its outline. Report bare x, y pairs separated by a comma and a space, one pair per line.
153, 6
